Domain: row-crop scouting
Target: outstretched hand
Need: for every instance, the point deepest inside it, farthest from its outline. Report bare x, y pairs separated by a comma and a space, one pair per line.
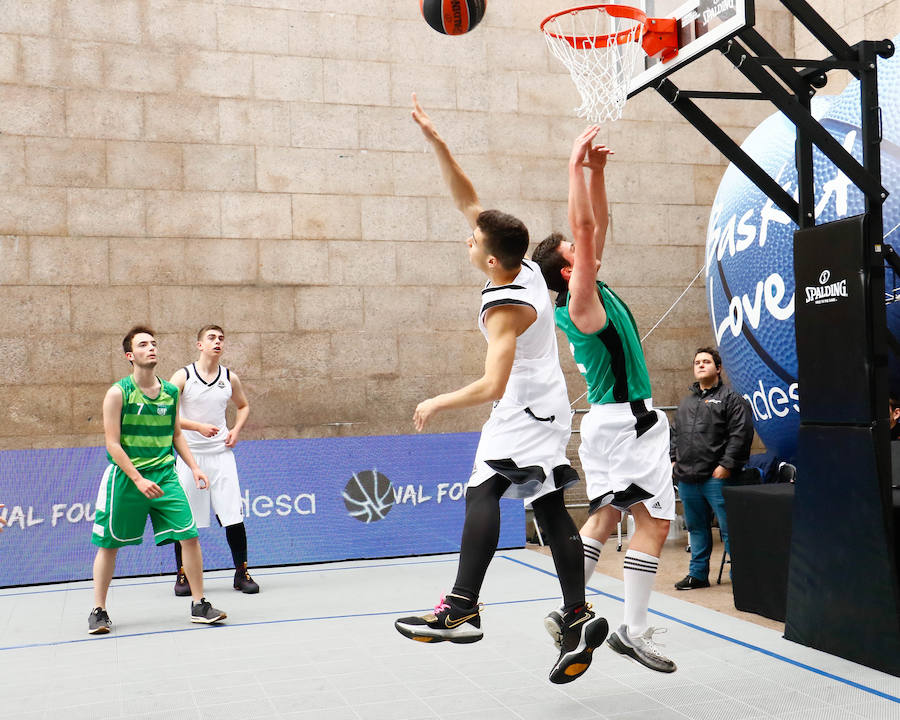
596, 157
422, 120
582, 146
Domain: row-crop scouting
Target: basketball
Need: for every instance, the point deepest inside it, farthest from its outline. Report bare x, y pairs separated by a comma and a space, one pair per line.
749, 254
452, 17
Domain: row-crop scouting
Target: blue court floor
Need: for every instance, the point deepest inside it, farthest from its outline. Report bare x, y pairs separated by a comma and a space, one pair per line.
319, 642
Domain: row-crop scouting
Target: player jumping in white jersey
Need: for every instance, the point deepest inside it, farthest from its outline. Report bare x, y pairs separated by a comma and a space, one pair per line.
522, 448
206, 389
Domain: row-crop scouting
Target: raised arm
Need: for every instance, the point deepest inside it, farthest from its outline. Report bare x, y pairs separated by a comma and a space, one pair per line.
585, 308
596, 162
464, 196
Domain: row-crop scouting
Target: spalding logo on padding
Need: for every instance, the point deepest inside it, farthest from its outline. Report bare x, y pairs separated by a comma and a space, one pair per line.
749, 253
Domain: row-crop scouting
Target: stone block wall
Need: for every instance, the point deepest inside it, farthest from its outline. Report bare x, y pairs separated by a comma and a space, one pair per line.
252, 163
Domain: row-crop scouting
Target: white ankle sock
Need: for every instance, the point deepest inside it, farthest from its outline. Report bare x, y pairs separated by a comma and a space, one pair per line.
639, 574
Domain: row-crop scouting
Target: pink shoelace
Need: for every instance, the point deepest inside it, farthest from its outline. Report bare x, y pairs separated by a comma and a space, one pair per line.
442, 605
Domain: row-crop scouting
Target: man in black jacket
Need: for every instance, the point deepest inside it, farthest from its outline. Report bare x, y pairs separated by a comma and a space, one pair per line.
711, 441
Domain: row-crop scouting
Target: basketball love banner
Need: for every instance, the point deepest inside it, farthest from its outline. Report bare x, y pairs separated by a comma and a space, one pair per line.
304, 501
751, 292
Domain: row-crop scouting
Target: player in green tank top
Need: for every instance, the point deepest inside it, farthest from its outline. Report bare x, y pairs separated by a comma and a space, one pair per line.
140, 422
624, 442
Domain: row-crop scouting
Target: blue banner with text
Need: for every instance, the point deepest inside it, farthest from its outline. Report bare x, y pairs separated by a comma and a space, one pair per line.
305, 501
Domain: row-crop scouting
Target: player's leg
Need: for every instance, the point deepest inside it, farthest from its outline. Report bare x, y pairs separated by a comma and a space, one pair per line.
199, 501
182, 586
594, 533
581, 630
698, 518
634, 638
641, 460
456, 617
104, 568
225, 499
173, 520
121, 514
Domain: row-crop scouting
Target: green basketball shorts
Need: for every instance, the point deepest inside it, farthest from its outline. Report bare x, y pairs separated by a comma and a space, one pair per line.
122, 510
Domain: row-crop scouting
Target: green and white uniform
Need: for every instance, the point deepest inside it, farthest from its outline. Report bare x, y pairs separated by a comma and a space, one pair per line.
624, 442
147, 431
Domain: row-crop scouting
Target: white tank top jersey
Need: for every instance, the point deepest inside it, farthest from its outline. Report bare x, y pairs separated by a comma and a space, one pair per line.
205, 402
536, 380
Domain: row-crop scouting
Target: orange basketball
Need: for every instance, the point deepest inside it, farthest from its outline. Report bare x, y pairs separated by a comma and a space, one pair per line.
452, 17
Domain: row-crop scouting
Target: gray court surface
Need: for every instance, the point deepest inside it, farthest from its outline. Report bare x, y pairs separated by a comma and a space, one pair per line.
319, 642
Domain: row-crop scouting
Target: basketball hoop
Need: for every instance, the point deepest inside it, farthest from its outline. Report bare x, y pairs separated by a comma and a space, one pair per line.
601, 47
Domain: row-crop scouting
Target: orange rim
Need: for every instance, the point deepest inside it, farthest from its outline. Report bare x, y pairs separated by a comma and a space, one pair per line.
581, 42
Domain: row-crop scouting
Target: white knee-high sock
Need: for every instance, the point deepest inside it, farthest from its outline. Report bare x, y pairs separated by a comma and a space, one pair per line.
592, 550
639, 574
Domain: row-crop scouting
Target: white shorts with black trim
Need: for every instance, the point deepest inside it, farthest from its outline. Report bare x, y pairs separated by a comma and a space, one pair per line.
223, 494
625, 457
526, 448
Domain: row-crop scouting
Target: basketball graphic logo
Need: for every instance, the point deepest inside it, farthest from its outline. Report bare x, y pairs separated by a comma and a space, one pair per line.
749, 253
368, 496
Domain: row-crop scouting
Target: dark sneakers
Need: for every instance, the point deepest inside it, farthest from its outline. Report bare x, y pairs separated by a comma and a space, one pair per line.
204, 612
641, 649
691, 583
243, 581
182, 586
98, 622
451, 621
582, 632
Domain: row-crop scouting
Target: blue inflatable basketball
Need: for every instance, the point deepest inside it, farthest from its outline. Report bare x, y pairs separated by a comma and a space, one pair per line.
749, 253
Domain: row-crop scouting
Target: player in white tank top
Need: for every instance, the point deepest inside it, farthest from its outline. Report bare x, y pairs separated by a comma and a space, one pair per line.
521, 452
206, 389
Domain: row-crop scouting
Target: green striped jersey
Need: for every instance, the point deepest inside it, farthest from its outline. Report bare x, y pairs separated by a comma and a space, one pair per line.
612, 360
148, 424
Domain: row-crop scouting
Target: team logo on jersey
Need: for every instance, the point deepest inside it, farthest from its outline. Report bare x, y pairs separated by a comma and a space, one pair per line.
161, 410
221, 383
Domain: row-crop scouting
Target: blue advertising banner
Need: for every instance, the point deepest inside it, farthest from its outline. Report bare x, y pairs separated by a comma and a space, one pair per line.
304, 501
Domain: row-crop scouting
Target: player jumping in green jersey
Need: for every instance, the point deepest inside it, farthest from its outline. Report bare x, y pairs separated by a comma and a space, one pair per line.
624, 442
140, 422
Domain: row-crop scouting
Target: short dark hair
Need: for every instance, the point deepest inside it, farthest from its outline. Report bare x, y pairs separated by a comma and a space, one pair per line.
717, 359
505, 237
551, 262
136, 330
203, 330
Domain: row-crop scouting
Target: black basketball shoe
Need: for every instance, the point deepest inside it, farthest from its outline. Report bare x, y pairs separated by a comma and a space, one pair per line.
182, 586
453, 620
582, 633
204, 612
243, 581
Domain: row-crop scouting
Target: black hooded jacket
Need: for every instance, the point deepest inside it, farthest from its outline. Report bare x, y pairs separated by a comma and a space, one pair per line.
712, 427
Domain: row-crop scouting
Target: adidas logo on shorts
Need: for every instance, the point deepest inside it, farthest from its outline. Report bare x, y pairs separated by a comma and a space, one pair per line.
656, 506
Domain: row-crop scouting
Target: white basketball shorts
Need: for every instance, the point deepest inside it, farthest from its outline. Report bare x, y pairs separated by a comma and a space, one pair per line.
524, 447
625, 456
223, 494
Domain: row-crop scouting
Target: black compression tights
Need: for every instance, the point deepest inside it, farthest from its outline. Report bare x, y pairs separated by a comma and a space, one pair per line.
481, 532
559, 531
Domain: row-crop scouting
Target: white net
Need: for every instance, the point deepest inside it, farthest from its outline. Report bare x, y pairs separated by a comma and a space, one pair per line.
601, 51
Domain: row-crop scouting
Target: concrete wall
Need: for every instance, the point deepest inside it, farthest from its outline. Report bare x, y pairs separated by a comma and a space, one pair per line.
252, 163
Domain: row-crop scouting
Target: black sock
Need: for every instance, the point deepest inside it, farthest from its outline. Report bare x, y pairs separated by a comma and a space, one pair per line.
481, 532
237, 541
178, 563
558, 529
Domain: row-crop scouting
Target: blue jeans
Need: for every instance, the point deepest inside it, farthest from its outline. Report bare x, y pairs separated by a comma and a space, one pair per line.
700, 501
